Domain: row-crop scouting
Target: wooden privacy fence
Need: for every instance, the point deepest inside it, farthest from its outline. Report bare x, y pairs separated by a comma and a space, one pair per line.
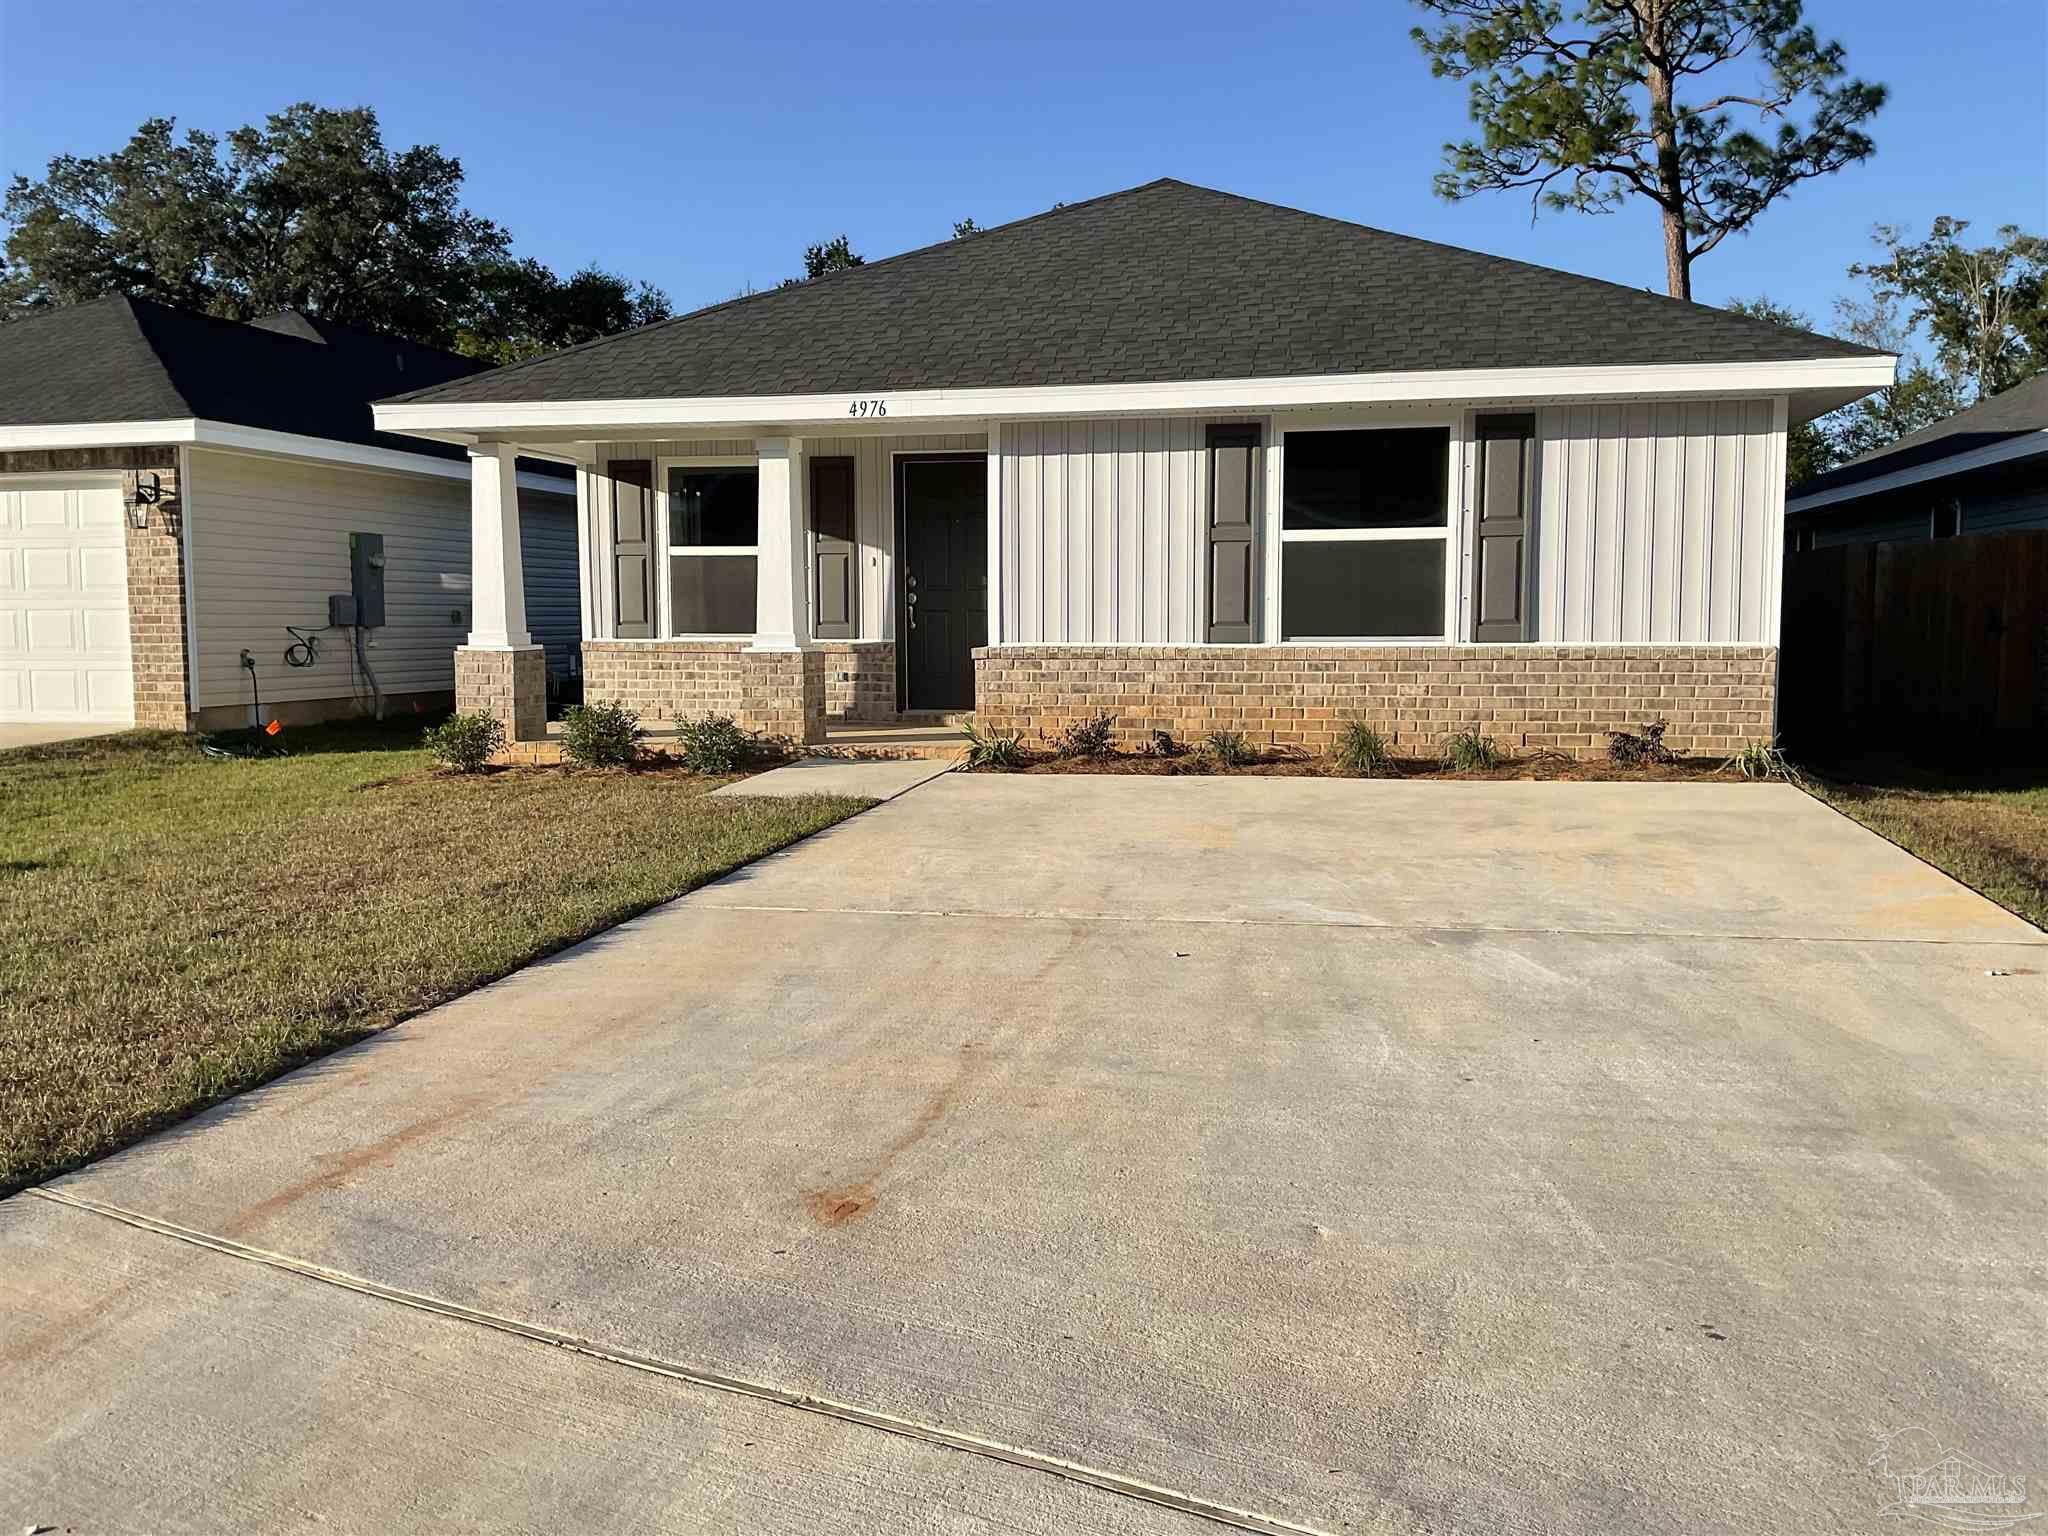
1936, 649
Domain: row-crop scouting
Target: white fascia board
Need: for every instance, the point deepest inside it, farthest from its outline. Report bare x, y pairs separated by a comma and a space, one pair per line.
1918, 474
230, 438
1665, 379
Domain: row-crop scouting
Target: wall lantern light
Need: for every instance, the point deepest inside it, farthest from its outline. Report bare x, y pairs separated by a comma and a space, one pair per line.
149, 490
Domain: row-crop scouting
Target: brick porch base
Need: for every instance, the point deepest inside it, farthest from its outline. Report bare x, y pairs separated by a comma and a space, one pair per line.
778, 693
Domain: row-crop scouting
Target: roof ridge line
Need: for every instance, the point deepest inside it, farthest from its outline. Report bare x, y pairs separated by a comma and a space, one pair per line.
865, 266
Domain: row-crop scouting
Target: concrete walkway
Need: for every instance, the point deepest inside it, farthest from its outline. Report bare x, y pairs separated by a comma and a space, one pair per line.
1339, 1156
878, 778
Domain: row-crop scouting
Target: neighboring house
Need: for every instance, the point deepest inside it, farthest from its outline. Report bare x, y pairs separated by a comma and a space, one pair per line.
1201, 462
1984, 470
176, 490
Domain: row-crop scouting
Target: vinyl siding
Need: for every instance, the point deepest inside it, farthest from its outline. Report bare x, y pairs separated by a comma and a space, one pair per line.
269, 541
874, 505
547, 552
1101, 531
1659, 523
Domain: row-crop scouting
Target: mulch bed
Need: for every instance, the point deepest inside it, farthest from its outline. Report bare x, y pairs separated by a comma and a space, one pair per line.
1302, 766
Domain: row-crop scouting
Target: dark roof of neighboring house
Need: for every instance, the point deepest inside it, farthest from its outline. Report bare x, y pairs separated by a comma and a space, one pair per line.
127, 359
1162, 282
2019, 411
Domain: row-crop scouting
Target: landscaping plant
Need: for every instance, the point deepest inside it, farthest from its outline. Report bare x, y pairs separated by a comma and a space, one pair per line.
1633, 749
1162, 744
987, 748
1362, 752
1087, 738
1465, 750
1763, 760
1232, 750
464, 743
601, 735
715, 744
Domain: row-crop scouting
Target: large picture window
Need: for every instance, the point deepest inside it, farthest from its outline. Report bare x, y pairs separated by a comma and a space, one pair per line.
1365, 534
713, 537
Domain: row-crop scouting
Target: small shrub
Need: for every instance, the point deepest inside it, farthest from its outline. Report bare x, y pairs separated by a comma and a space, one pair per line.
1231, 749
601, 735
715, 744
986, 748
1162, 744
1087, 738
1465, 750
1362, 752
1763, 760
465, 743
1632, 749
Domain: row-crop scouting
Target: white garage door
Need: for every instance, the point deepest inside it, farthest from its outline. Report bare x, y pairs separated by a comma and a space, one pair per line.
63, 602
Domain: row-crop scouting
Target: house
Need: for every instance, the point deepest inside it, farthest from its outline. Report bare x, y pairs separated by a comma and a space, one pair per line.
177, 492
1984, 470
1197, 461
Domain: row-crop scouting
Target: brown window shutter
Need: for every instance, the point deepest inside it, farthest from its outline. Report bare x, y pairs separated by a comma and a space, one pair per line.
1233, 535
1504, 527
633, 545
836, 579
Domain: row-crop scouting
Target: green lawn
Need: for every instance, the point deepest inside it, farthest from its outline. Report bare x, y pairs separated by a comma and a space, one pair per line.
1992, 838
175, 928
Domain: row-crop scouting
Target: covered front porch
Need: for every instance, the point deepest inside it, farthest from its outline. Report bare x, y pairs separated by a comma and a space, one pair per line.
814, 589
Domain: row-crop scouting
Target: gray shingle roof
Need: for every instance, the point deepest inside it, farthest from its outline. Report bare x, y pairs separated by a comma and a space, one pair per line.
2020, 410
1162, 282
125, 359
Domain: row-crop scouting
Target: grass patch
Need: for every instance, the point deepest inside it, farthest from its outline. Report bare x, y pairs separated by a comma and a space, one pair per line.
1993, 838
175, 929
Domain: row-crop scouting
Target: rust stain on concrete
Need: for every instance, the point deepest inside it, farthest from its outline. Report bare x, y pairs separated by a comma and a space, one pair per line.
841, 1203
337, 1168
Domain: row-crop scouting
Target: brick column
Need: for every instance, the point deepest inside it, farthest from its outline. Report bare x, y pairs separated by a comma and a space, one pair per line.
156, 598
508, 682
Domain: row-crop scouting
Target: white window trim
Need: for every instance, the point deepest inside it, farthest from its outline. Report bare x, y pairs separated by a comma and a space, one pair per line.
1450, 532
664, 595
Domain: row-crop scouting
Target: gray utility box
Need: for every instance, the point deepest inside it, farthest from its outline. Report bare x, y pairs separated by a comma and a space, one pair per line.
366, 578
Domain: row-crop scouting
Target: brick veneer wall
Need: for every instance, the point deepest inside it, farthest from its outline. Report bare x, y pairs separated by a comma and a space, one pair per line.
1524, 696
779, 693
510, 684
156, 571
867, 691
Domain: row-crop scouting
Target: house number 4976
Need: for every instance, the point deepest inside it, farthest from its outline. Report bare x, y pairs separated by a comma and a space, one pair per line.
868, 408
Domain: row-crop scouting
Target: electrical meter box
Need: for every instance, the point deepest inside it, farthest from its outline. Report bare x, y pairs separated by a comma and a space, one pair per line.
366, 578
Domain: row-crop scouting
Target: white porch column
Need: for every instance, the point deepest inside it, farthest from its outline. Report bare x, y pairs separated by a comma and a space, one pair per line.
497, 590
781, 604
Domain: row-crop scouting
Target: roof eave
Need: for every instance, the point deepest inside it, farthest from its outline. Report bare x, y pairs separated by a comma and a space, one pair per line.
2021, 446
1811, 386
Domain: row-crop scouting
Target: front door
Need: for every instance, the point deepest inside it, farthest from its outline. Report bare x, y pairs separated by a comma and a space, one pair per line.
942, 561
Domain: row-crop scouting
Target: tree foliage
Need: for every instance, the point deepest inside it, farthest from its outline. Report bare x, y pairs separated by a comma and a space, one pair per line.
1588, 104
834, 255
1985, 308
964, 227
311, 211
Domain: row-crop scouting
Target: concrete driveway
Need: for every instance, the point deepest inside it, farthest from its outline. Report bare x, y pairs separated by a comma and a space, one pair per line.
1126, 1155
20, 733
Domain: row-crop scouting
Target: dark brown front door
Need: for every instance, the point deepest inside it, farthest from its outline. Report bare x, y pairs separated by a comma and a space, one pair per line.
942, 581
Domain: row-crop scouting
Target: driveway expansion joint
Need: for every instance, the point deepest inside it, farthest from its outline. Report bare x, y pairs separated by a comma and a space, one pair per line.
1114, 1483
1363, 925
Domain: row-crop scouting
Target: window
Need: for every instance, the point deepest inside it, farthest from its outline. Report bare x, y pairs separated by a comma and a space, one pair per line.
1365, 534
713, 532
1947, 519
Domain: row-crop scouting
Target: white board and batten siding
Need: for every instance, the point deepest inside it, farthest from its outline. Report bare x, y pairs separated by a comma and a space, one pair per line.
1660, 523
269, 542
1655, 523
1100, 541
874, 474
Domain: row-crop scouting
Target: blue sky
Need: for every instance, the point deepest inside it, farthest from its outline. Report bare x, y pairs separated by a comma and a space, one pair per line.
703, 147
